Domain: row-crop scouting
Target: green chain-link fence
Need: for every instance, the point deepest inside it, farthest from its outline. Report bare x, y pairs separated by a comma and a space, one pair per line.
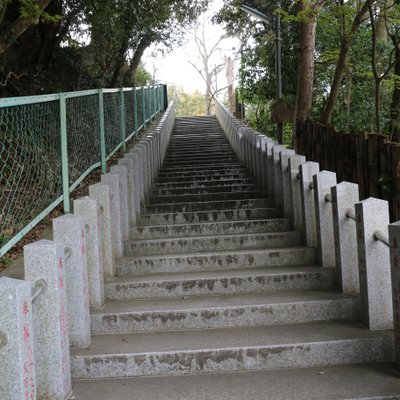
50, 143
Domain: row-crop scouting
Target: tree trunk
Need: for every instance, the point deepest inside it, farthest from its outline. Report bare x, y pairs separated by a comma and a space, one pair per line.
305, 76
208, 92
119, 62
341, 63
395, 106
142, 46
229, 80
15, 29
306, 64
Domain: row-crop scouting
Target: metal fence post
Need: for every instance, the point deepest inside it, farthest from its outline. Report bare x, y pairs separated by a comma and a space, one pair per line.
122, 118
135, 112
102, 133
144, 107
64, 153
149, 100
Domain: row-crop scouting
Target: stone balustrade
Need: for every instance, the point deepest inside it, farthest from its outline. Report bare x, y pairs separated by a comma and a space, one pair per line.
354, 238
45, 314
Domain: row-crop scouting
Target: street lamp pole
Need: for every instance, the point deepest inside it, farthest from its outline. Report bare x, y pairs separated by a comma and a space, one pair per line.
278, 53
278, 69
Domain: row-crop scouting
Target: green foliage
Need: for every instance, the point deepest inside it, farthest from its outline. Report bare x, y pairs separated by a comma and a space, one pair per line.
354, 110
187, 103
142, 76
31, 9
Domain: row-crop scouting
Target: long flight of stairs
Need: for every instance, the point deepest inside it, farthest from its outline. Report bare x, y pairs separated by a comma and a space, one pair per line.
214, 282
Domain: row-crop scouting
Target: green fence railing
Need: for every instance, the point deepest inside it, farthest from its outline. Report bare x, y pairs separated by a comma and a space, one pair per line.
50, 143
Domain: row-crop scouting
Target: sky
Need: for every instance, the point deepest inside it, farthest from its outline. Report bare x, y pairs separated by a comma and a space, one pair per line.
175, 68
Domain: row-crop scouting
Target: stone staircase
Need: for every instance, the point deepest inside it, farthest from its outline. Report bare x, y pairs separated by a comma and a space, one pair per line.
215, 281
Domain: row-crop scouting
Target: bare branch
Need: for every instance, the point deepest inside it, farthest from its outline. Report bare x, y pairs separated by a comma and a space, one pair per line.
10, 75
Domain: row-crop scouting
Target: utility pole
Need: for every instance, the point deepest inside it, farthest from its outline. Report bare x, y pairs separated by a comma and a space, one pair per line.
276, 22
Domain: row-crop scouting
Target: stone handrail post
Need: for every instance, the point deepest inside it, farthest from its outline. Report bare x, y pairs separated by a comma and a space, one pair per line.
294, 163
286, 182
45, 260
394, 241
372, 215
344, 196
127, 162
69, 230
322, 182
17, 374
122, 173
101, 193
89, 210
277, 173
306, 173
113, 182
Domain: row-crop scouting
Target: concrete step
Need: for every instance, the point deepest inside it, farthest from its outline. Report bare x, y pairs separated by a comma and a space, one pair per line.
181, 198
211, 283
217, 189
277, 308
201, 175
241, 204
202, 152
210, 228
216, 260
369, 381
203, 183
195, 244
217, 159
208, 216
205, 167
230, 349
372, 381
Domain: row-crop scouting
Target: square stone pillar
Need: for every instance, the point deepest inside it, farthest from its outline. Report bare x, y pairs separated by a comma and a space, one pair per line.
372, 219
264, 170
278, 186
139, 174
294, 163
286, 182
307, 171
101, 193
394, 241
89, 210
344, 196
128, 163
323, 181
122, 172
17, 368
45, 265
270, 169
113, 181
69, 231
137, 183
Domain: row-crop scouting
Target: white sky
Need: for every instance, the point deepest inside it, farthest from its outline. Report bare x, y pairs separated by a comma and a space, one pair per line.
175, 68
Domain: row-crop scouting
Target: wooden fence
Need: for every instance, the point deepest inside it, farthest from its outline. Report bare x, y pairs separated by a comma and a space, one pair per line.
368, 159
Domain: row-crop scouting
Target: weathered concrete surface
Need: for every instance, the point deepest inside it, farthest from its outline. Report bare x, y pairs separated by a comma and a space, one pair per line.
283, 307
184, 245
217, 260
373, 381
210, 228
238, 281
208, 216
230, 349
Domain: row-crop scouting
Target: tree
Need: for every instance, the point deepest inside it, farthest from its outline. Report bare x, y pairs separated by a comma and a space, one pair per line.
206, 56
92, 42
347, 38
